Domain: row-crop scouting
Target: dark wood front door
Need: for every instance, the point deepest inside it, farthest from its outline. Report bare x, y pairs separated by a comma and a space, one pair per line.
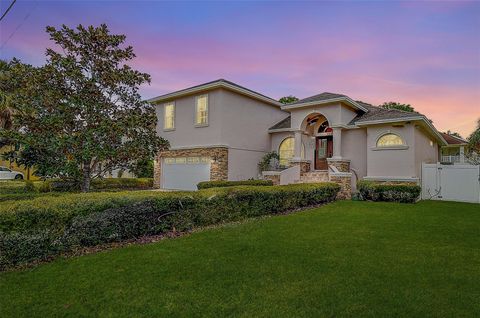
323, 150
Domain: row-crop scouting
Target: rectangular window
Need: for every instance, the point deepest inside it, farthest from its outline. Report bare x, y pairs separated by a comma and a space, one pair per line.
169, 116
201, 110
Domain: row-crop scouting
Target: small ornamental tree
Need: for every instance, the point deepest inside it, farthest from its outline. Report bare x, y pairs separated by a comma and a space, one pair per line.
82, 113
398, 106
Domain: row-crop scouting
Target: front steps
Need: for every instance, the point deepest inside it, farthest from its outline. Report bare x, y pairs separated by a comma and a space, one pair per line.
313, 176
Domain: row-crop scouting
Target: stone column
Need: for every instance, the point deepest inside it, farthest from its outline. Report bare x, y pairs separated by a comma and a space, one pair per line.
462, 154
337, 143
298, 146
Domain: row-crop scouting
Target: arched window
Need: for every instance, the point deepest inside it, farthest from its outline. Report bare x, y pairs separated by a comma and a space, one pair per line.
390, 140
286, 150
322, 128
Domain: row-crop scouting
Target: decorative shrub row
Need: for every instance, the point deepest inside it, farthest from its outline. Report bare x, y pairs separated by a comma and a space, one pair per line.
390, 192
148, 215
100, 184
222, 184
11, 187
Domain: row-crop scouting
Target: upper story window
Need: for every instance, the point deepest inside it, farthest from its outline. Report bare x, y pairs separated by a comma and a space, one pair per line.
169, 116
201, 110
390, 140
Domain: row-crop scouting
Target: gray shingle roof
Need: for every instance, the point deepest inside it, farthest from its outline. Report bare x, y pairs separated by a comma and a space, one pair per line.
284, 123
318, 97
379, 113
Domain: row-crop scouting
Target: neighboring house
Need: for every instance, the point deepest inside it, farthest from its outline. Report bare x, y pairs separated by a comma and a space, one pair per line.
454, 151
221, 130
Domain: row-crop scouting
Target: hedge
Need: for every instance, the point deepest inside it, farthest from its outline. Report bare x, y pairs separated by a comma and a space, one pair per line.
222, 184
99, 184
13, 187
389, 192
44, 231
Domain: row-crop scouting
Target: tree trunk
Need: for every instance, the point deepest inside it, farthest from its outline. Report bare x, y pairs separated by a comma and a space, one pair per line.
86, 176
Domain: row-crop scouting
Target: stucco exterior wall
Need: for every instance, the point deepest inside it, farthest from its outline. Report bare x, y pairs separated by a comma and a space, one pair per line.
391, 162
354, 147
243, 164
235, 121
424, 151
185, 134
245, 121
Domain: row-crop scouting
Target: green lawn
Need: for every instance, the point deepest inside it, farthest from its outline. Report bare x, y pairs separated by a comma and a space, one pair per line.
346, 259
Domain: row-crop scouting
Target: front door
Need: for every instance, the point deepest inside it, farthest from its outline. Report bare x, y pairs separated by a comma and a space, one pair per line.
323, 150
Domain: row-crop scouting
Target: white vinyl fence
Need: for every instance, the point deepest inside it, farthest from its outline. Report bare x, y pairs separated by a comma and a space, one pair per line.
451, 182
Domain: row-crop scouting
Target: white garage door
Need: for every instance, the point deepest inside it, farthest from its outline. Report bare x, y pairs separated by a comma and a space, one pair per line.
184, 173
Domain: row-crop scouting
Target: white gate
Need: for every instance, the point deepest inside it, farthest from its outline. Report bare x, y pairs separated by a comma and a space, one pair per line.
451, 182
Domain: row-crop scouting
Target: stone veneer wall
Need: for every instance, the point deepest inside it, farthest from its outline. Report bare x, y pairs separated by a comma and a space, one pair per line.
304, 165
218, 167
274, 177
341, 165
345, 184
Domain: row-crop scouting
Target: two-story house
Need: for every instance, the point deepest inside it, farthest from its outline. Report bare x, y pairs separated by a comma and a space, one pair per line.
220, 131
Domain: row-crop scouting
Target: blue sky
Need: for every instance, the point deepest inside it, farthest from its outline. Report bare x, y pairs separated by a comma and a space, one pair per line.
423, 53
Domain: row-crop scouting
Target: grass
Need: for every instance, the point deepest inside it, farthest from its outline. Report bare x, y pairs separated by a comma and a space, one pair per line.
346, 259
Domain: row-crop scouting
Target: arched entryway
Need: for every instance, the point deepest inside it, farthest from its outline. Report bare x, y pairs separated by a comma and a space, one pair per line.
317, 127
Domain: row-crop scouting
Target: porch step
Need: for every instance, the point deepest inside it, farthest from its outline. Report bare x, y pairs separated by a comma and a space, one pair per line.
313, 176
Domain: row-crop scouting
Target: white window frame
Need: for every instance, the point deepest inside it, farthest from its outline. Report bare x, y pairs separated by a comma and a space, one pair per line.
196, 111
165, 128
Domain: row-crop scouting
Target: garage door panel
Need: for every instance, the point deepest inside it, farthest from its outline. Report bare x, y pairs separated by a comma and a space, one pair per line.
184, 176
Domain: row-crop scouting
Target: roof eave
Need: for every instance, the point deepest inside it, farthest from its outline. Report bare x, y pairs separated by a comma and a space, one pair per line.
345, 99
213, 86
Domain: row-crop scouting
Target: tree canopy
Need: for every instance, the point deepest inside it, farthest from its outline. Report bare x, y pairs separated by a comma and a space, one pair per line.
288, 99
81, 114
474, 139
398, 106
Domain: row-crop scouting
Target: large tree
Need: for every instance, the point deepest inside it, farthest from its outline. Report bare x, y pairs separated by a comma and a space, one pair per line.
288, 99
81, 114
398, 106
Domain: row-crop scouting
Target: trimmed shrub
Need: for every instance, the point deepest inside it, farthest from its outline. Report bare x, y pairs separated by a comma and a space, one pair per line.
98, 184
389, 192
104, 219
122, 183
222, 184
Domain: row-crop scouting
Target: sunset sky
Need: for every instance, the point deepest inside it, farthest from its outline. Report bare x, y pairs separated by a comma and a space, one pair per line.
426, 54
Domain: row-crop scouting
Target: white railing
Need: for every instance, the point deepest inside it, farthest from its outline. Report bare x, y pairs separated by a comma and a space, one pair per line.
451, 159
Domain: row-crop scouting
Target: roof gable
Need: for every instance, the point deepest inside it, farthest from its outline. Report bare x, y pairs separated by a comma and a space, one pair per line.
220, 83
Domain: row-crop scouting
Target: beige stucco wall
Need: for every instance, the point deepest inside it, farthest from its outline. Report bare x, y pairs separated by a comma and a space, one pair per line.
185, 134
354, 147
424, 151
241, 123
391, 162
